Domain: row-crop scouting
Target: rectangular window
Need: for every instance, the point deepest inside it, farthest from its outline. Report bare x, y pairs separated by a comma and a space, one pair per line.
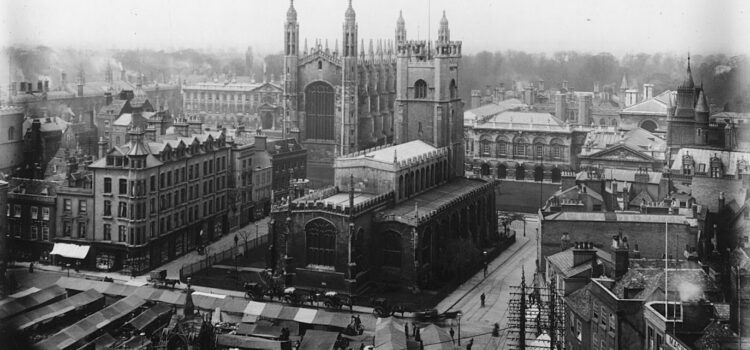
45, 213
123, 186
82, 207
604, 318
34, 213
152, 183
122, 210
107, 185
66, 228
161, 180
34, 232
107, 208
153, 205
67, 205
611, 323
122, 234
650, 338
169, 178
578, 330
538, 149
81, 230
153, 229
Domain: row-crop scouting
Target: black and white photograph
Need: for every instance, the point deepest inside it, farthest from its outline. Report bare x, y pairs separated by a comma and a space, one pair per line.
380, 175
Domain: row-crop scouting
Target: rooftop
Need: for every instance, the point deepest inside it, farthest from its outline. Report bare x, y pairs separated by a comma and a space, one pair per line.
398, 152
621, 217
564, 261
514, 120
427, 204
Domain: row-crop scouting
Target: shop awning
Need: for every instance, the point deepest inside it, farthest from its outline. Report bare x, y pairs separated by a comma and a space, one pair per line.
72, 251
62, 307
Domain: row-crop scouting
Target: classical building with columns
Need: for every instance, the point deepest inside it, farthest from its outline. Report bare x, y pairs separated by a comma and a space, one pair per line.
232, 103
509, 142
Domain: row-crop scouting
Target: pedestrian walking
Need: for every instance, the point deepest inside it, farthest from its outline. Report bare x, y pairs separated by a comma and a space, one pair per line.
31, 267
417, 336
414, 329
406, 329
485, 269
470, 344
481, 298
452, 333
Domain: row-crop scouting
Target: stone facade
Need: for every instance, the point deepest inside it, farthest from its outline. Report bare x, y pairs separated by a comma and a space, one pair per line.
234, 103
11, 139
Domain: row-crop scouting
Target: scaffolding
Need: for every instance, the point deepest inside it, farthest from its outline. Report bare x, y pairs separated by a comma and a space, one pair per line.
544, 322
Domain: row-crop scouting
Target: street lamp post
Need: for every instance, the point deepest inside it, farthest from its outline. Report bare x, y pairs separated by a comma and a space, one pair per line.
459, 327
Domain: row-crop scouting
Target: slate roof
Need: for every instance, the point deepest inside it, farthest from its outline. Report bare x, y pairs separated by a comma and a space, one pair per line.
563, 261
729, 159
628, 175
580, 302
114, 108
656, 105
491, 109
48, 124
621, 217
652, 279
401, 152
513, 120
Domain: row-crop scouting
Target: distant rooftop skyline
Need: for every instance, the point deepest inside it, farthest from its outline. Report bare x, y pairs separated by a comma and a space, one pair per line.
619, 27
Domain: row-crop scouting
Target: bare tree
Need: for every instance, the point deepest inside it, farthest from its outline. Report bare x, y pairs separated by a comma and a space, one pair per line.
245, 234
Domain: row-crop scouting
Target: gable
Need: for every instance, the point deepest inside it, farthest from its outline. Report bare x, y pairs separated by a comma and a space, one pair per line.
650, 106
267, 87
621, 152
315, 57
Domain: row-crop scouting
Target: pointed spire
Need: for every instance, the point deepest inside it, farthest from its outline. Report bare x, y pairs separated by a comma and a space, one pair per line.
400, 17
291, 14
327, 51
336, 47
305, 52
702, 105
370, 51
350, 15
362, 48
395, 156
688, 83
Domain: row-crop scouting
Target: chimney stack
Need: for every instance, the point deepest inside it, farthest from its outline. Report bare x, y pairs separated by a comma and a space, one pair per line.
46, 86
63, 81
648, 91
102, 147
721, 201
621, 254
150, 133
39, 86
561, 106
476, 98
583, 252
260, 142
107, 98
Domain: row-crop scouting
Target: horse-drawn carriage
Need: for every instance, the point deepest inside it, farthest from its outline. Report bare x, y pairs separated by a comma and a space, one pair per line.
382, 308
159, 279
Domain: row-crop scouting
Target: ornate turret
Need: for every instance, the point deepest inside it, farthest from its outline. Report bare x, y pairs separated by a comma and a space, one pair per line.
291, 14
350, 16
400, 29
444, 33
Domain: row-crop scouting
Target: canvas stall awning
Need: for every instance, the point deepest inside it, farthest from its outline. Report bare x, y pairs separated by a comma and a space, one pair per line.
68, 250
62, 307
318, 340
32, 301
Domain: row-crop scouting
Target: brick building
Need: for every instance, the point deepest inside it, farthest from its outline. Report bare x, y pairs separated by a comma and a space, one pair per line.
31, 218
137, 188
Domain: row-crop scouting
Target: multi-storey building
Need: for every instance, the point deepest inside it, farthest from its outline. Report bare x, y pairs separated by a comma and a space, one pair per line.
342, 101
11, 138
31, 213
241, 200
159, 197
262, 183
224, 103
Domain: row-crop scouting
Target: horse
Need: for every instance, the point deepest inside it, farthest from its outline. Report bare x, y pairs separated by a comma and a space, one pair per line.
171, 282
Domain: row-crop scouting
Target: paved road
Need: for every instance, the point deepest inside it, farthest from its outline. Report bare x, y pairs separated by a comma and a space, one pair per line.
503, 272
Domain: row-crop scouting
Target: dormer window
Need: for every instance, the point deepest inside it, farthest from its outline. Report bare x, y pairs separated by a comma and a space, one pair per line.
717, 168
688, 165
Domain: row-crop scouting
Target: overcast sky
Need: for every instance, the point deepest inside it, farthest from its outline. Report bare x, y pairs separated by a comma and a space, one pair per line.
702, 27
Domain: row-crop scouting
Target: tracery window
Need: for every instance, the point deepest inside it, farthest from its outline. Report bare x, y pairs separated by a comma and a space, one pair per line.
420, 89
392, 249
321, 242
319, 106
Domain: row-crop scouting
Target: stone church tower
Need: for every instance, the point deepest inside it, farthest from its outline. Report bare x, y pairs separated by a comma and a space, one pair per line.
428, 106
339, 102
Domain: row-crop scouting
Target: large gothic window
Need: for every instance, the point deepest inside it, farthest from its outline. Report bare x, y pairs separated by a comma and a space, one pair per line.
321, 242
319, 107
392, 249
420, 89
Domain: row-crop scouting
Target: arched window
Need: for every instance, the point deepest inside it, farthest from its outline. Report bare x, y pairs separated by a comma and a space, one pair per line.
319, 108
392, 249
453, 89
11, 133
420, 89
613, 122
649, 125
320, 65
321, 242
557, 148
